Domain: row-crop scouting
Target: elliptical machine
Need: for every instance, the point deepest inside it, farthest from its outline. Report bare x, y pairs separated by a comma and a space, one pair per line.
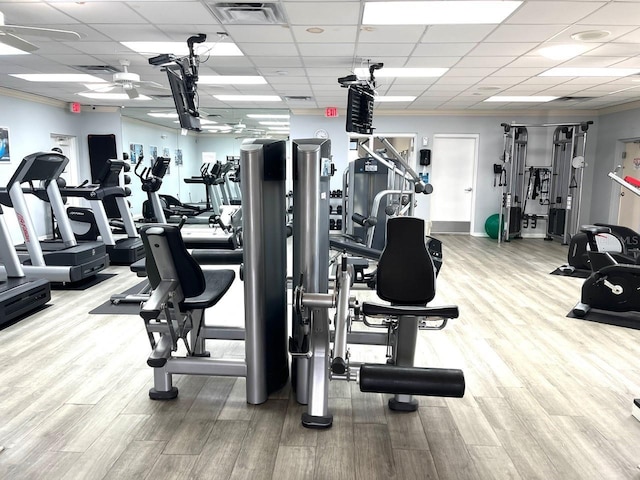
613, 285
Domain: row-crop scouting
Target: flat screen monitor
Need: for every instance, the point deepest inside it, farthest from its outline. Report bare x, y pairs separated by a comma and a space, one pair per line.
360, 109
184, 97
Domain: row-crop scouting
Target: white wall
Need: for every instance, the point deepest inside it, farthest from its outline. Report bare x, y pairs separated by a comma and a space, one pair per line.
30, 125
613, 130
490, 145
147, 134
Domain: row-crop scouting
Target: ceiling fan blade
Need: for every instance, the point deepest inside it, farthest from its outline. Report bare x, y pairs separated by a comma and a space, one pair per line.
53, 33
17, 42
132, 93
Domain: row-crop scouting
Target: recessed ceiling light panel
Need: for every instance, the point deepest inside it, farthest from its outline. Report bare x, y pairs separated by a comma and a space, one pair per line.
57, 77
402, 72
437, 12
394, 98
248, 98
563, 52
231, 80
112, 96
220, 49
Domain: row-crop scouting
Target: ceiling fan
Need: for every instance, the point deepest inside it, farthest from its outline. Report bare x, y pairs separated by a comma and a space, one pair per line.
125, 82
9, 35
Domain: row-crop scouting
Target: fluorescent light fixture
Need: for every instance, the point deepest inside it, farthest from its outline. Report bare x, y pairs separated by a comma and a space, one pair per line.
437, 12
282, 124
589, 72
206, 121
181, 48
394, 98
231, 80
563, 52
7, 50
279, 129
112, 96
163, 114
58, 77
248, 98
268, 115
402, 72
520, 98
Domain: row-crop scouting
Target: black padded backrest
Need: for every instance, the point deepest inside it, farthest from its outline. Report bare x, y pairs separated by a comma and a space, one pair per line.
406, 275
189, 272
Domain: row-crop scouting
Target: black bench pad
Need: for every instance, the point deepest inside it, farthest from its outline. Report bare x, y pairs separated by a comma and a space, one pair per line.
375, 309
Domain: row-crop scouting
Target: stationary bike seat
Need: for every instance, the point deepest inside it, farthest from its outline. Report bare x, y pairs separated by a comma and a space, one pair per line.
594, 229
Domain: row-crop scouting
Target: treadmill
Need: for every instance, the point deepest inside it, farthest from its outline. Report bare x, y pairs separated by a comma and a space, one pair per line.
60, 261
18, 295
122, 251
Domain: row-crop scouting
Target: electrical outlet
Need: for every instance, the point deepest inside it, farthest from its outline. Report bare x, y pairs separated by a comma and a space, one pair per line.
425, 141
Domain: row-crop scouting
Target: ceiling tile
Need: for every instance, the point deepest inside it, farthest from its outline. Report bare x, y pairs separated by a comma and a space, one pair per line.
37, 14
286, 72
615, 49
278, 62
391, 33
543, 13
615, 13
432, 62
317, 13
331, 34
326, 49
442, 49
271, 49
472, 62
616, 32
524, 33
534, 61
335, 61
459, 80
174, 12
373, 50
470, 72
587, 61
100, 12
259, 33
508, 49
457, 33
127, 33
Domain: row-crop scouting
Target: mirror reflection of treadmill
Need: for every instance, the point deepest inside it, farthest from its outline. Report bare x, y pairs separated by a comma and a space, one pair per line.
60, 261
19, 295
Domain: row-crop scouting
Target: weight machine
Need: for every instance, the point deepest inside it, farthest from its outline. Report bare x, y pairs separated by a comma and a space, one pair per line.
556, 188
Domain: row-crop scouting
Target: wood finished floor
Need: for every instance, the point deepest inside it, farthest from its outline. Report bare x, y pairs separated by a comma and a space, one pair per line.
547, 397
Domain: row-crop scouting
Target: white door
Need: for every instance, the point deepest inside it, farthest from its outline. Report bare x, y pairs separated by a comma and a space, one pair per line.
453, 160
68, 145
629, 211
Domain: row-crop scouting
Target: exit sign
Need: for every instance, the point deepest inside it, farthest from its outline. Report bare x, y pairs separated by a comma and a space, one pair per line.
75, 107
330, 112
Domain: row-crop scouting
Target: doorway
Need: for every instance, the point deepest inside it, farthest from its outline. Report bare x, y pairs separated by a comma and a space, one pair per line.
629, 207
453, 176
71, 175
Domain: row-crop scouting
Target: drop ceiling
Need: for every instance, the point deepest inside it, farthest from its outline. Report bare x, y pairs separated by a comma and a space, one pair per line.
483, 60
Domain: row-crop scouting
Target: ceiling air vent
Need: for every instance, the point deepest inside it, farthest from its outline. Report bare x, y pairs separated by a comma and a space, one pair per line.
298, 98
97, 68
238, 13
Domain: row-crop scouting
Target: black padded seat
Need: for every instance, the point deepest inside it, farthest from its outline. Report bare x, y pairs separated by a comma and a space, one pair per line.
408, 289
217, 282
594, 229
373, 309
193, 280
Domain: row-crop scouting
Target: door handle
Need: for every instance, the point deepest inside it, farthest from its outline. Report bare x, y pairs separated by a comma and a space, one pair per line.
468, 189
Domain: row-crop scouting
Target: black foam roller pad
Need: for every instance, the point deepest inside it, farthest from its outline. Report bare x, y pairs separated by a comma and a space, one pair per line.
434, 382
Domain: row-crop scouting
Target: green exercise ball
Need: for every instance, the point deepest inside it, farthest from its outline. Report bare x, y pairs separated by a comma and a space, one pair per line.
492, 225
